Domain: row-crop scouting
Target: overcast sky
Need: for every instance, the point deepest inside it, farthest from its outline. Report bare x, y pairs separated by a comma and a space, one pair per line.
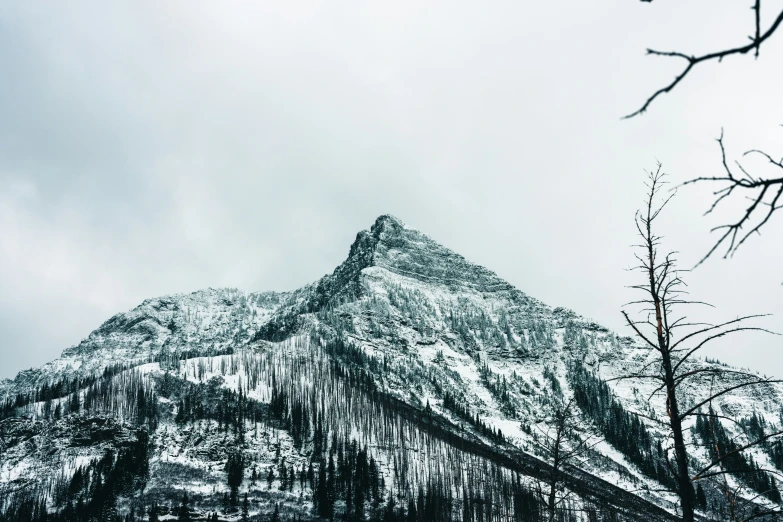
163, 147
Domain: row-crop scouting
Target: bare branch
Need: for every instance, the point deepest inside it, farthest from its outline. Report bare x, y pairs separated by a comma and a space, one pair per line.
717, 326
716, 336
724, 392
692, 60
758, 187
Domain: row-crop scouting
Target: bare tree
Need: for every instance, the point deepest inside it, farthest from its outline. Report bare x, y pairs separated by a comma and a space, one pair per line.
759, 36
562, 446
675, 340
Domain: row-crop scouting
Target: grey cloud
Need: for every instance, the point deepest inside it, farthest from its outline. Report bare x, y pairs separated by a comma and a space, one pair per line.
151, 148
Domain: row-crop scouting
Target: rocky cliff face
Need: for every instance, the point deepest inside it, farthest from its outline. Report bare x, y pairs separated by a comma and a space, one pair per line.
443, 376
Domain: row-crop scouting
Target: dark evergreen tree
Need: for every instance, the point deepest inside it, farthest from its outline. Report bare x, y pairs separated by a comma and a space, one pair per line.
270, 477
245, 509
235, 468
184, 509
412, 517
153, 512
311, 475
324, 498
701, 497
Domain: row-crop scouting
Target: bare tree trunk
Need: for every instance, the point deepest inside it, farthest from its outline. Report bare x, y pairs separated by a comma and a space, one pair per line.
672, 408
684, 486
552, 495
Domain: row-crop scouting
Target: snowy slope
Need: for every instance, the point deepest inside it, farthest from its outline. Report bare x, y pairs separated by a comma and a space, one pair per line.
419, 327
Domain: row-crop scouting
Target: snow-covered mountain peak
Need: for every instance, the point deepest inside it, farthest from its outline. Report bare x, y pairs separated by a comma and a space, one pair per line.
387, 223
404, 330
392, 245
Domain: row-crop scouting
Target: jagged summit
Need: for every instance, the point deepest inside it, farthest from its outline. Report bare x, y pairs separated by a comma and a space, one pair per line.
386, 228
392, 245
387, 221
393, 248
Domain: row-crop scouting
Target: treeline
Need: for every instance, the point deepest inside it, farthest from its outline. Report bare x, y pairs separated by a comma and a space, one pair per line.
463, 412
756, 429
623, 430
362, 453
498, 387
53, 390
126, 392
725, 450
353, 480
95, 487
348, 476
327, 398
131, 394
230, 409
57, 389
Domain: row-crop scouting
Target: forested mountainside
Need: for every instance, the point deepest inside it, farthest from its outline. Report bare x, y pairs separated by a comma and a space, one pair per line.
408, 385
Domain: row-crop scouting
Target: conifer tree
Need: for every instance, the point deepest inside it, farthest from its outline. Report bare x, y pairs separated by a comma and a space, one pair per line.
234, 474
245, 507
311, 475
701, 498
184, 509
323, 496
270, 478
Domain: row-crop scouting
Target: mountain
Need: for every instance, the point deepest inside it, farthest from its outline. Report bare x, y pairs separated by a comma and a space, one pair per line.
409, 384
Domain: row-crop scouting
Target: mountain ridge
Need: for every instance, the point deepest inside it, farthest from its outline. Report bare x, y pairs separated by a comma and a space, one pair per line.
378, 246
404, 317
